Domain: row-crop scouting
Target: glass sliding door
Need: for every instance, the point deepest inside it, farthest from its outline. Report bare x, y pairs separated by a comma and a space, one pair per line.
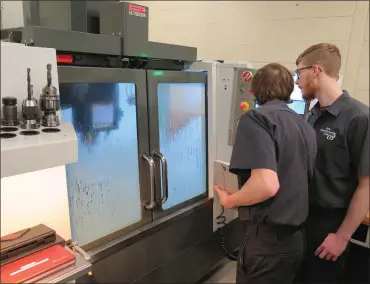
178, 137
110, 181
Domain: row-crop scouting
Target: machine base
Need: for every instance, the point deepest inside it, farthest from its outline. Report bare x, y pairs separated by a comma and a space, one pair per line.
183, 251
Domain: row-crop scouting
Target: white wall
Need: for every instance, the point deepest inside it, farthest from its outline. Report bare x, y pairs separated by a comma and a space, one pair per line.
268, 31
11, 14
362, 81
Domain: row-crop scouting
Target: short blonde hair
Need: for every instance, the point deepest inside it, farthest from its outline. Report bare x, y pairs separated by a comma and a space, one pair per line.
326, 55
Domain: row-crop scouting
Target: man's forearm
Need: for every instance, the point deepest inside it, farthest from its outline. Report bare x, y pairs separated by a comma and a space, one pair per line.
253, 191
357, 211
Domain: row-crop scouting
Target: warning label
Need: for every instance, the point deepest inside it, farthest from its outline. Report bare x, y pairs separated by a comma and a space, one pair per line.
136, 10
247, 76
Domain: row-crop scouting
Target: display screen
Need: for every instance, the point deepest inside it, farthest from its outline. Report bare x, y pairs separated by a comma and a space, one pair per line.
297, 106
297, 93
102, 115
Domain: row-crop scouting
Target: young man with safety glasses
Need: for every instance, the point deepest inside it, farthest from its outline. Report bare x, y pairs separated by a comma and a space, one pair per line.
339, 191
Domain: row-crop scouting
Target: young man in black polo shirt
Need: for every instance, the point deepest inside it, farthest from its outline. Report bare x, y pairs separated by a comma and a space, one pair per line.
273, 156
339, 191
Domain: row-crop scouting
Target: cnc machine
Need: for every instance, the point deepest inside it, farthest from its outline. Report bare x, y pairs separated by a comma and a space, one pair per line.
138, 195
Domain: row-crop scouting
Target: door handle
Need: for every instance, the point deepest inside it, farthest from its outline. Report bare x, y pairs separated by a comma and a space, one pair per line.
151, 163
164, 176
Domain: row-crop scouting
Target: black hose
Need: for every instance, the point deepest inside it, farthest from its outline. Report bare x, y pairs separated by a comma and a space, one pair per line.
221, 222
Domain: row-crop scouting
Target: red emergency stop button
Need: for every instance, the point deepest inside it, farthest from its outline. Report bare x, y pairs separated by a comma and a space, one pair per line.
244, 106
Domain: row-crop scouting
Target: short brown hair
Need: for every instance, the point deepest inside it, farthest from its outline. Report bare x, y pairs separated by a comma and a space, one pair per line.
272, 81
327, 55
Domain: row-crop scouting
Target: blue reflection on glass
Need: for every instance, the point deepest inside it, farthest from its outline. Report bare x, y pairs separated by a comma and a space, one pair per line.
298, 106
103, 186
182, 135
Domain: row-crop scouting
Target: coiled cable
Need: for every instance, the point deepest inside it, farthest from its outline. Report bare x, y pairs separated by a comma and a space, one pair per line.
221, 222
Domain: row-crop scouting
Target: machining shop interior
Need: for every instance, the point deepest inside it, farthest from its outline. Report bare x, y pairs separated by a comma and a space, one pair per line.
112, 143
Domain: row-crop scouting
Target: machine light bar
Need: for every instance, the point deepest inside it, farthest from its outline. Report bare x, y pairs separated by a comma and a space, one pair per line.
64, 58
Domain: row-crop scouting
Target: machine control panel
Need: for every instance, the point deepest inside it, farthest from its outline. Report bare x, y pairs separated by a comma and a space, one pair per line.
242, 98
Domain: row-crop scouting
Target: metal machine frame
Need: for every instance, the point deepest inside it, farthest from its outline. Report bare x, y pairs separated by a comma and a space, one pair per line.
123, 35
179, 244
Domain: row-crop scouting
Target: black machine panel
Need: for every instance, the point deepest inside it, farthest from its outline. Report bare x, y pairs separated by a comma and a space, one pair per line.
165, 253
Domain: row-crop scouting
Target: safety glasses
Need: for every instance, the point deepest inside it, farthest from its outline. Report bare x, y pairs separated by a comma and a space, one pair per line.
299, 70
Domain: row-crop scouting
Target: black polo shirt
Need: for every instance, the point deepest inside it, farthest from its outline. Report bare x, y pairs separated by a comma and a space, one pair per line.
275, 137
342, 131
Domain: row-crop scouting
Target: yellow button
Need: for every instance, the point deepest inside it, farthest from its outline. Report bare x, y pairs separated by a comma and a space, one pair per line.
244, 106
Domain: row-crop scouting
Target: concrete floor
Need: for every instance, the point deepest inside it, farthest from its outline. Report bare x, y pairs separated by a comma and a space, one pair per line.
226, 273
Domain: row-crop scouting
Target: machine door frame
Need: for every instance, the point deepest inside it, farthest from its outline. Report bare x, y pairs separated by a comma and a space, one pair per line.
153, 81
71, 74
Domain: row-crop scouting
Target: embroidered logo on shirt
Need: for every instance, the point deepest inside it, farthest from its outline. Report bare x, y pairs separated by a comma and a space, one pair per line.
330, 135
